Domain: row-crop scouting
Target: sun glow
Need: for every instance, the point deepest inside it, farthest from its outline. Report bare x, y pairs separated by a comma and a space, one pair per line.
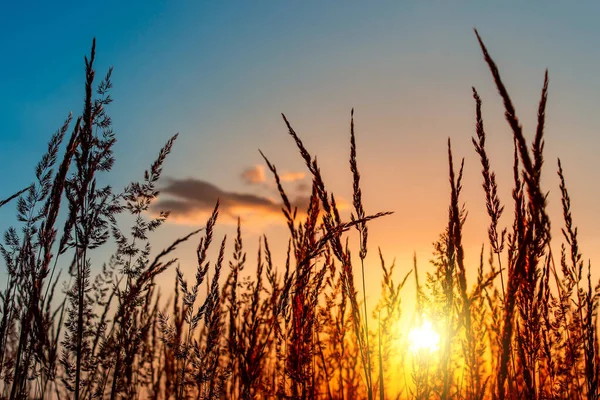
423, 337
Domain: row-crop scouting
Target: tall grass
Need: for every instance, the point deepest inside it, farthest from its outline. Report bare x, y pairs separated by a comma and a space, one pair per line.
525, 328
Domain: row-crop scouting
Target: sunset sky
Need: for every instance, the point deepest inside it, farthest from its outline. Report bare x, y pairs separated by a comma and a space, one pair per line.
221, 73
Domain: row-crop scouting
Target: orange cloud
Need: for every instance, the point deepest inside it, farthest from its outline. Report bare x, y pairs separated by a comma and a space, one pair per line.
254, 175
292, 176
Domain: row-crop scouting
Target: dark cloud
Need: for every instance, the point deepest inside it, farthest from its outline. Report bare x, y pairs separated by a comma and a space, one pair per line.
303, 187
191, 201
204, 194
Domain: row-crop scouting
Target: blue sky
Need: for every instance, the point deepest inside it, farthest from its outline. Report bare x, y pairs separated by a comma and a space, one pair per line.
220, 74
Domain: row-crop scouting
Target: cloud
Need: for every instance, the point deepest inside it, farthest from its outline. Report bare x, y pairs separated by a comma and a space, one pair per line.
292, 176
191, 201
303, 187
254, 175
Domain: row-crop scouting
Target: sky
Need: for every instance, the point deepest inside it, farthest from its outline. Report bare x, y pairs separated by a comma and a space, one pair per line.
221, 73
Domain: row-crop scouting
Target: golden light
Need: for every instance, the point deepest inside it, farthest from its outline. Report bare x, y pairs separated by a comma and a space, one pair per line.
423, 337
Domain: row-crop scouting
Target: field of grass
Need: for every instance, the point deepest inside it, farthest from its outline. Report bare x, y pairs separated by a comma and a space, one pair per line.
526, 328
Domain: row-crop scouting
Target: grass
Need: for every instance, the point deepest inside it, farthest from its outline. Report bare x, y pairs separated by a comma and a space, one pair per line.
525, 328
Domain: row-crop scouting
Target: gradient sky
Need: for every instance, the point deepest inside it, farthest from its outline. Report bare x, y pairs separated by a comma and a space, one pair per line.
220, 74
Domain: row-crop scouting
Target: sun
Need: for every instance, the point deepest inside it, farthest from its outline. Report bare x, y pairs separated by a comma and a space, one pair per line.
423, 337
